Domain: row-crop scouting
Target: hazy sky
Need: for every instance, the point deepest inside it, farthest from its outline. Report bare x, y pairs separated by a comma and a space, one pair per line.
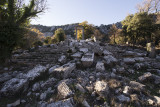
61, 12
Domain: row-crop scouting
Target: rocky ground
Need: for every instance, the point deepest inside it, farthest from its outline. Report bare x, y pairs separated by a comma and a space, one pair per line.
81, 74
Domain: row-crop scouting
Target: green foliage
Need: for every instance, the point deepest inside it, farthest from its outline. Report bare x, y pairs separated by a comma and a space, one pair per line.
88, 29
113, 31
38, 43
14, 17
138, 27
59, 35
48, 40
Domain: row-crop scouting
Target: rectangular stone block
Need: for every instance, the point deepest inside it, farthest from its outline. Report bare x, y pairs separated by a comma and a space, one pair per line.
88, 59
64, 71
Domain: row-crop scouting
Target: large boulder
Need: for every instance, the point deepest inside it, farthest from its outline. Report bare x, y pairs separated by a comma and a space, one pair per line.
14, 86
64, 71
36, 72
129, 60
110, 60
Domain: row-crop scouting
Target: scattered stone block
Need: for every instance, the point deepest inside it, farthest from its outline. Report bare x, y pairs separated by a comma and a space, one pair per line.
145, 76
110, 60
63, 90
88, 59
14, 86
64, 103
100, 66
49, 83
123, 98
62, 59
80, 88
101, 87
51, 70
43, 96
137, 85
64, 71
126, 90
15, 104
129, 60
77, 55
84, 50
105, 52
36, 72
36, 87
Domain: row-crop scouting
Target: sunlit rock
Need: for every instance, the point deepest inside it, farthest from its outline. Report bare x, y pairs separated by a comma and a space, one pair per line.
87, 59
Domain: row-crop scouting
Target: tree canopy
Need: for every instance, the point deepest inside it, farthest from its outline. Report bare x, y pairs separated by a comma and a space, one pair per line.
15, 15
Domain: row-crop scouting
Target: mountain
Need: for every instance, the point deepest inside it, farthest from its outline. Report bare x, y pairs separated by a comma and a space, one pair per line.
69, 28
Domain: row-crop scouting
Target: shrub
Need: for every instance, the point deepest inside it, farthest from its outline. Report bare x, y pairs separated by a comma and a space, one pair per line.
59, 35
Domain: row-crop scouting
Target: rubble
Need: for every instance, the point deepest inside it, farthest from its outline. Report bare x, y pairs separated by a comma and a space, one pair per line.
81, 73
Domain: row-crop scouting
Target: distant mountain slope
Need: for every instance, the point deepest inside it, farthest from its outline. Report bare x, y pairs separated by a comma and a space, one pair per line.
69, 28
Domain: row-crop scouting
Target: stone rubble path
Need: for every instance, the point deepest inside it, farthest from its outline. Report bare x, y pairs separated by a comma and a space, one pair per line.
81, 73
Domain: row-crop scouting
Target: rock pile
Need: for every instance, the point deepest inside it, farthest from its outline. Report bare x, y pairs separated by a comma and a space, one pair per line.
81, 73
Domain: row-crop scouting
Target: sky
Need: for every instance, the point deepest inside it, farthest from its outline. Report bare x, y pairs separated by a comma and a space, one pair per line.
97, 12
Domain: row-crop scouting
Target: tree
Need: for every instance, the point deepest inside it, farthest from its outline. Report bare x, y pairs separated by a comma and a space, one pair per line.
113, 31
59, 35
138, 27
88, 30
15, 16
48, 40
149, 6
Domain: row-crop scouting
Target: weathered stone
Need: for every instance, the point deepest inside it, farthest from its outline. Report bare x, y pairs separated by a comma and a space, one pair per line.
139, 66
126, 90
129, 60
87, 59
5, 78
15, 104
49, 83
84, 50
134, 97
105, 52
36, 72
36, 87
123, 98
64, 103
100, 66
97, 49
101, 88
137, 85
85, 103
80, 88
43, 96
14, 86
63, 90
129, 54
52, 68
77, 55
139, 59
64, 71
157, 100
62, 59
145, 76
110, 60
